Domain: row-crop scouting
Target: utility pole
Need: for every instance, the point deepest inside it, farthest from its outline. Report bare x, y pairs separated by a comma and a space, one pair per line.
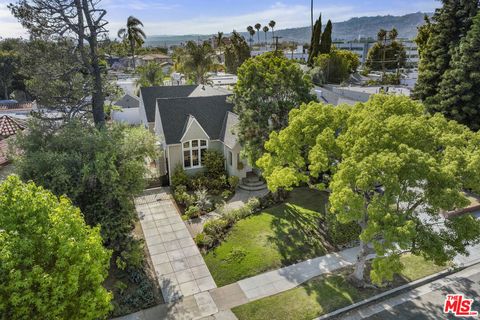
311, 14
276, 42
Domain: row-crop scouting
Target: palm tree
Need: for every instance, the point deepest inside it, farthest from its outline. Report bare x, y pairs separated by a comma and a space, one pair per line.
133, 35
272, 24
258, 26
292, 47
151, 75
382, 35
382, 39
265, 29
393, 34
251, 32
198, 60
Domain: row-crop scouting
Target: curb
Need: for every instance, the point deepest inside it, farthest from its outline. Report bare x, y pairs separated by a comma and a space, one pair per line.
397, 290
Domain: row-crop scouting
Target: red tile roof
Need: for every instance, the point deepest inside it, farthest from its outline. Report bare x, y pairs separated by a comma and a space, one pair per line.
9, 126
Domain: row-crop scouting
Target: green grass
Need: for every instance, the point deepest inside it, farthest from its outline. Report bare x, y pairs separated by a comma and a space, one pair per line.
325, 294
276, 237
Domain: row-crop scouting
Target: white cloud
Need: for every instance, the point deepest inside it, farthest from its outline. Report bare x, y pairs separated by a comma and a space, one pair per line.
10, 26
286, 16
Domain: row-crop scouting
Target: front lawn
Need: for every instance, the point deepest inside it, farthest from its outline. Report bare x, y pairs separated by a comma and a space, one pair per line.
276, 237
325, 294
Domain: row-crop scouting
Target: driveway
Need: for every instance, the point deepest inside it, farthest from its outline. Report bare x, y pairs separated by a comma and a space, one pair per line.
180, 268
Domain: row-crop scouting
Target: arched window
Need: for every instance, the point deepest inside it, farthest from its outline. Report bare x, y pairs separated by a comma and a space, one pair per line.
193, 151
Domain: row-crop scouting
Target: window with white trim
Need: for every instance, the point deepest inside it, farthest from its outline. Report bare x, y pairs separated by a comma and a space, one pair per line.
193, 152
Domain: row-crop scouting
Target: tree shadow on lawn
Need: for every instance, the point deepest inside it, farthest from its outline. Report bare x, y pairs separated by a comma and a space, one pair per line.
299, 234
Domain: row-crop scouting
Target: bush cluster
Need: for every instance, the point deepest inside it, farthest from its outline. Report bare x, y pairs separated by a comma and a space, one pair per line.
215, 230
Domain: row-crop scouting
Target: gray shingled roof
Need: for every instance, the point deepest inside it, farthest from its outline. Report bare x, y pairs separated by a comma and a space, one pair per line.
210, 113
151, 94
128, 101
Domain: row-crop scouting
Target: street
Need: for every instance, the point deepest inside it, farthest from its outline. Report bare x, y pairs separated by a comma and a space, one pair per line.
427, 301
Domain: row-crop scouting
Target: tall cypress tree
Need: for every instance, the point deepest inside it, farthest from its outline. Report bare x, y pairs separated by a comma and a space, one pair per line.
326, 43
451, 23
460, 87
315, 42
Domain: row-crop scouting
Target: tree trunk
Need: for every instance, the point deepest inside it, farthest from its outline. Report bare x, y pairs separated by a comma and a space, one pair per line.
98, 96
358, 274
6, 91
133, 57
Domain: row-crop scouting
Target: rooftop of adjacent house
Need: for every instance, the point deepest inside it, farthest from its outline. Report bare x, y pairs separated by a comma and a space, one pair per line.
153, 56
330, 97
128, 101
209, 111
149, 95
10, 126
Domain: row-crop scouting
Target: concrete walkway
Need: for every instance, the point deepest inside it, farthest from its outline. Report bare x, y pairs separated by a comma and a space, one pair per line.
180, 268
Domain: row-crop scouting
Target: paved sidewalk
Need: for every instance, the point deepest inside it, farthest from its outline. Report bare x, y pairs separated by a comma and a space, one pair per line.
276, 281
180, 268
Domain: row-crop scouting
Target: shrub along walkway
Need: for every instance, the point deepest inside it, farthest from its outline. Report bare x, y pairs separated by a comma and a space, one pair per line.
195, 226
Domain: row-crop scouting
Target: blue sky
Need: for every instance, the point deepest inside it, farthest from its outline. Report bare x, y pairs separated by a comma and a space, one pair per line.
210, 16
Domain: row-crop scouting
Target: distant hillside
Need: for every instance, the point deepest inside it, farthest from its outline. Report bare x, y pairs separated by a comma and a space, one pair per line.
363, 27
354, 28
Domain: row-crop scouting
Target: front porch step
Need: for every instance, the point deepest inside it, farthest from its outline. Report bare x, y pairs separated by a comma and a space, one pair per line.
259, 187
251, 183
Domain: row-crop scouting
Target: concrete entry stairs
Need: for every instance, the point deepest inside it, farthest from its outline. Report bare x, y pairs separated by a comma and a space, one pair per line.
252, 182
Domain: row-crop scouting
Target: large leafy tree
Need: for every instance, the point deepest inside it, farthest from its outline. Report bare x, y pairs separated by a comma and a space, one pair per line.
460, 87
55, 77
100, 170
132, 35
268, 87
391, 168
81, 21
451, 23
336, 66
151, 74
236, 52
52, 265
9, 65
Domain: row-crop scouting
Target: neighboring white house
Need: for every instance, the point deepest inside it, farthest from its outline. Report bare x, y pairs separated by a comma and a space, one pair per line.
130, 110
